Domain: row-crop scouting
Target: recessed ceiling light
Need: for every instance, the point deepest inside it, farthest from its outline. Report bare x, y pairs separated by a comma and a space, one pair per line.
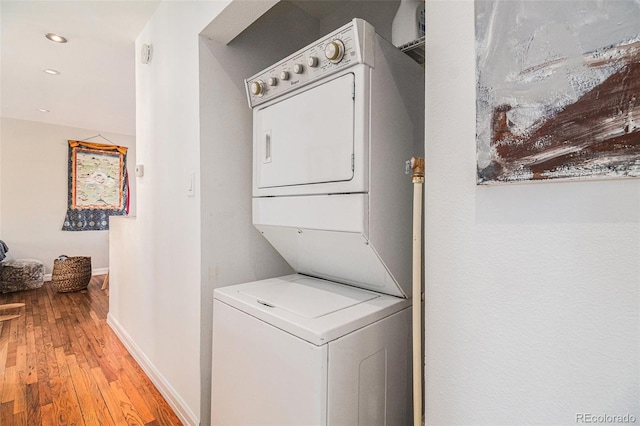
50, 71
42, 110
55, 37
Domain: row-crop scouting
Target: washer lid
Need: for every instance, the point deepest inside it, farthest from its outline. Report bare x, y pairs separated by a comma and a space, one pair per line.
312, 309
308, 297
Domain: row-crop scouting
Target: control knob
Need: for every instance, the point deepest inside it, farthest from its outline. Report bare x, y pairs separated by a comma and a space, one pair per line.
298, 68
284, 75
312, 61
334, 51
272, 81
257, 87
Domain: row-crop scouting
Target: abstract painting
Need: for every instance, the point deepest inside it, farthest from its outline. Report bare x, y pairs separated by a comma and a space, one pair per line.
98, 185
558, 90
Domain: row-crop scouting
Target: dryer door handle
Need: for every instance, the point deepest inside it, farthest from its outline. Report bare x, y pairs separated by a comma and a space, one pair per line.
267, 146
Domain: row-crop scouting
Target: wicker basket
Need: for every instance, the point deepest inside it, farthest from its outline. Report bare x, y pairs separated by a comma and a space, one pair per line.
71, 273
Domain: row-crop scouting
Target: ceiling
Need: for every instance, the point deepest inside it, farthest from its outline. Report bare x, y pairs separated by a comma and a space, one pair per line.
96, 86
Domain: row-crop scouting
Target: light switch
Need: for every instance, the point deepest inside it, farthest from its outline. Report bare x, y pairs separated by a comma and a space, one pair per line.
139, 170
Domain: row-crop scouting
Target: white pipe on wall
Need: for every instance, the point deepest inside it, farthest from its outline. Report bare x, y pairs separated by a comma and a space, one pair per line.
417, 165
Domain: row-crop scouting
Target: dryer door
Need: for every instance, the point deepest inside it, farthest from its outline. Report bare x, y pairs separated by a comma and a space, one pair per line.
306, 138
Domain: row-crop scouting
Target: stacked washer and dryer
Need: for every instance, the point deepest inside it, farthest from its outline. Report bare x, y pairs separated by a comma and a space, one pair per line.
333, 125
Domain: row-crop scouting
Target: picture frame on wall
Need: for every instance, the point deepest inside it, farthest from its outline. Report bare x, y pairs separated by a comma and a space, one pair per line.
98, 185
557, 90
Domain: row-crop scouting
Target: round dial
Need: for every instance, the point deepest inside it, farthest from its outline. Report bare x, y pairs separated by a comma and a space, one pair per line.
272, 81
284, 75
334, 51
257, 87
298, 68
312, 61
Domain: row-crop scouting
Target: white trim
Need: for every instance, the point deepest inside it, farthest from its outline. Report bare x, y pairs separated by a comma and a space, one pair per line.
98, 271
181, 409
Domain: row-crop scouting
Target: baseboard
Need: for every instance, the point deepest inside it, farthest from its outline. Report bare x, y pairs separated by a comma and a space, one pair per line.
97, 271
100, 271
183, 412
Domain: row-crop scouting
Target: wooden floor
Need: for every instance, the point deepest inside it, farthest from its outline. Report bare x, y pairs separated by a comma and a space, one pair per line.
61, 364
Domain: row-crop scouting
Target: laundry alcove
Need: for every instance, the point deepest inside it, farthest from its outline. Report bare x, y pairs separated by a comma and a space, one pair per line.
231, 50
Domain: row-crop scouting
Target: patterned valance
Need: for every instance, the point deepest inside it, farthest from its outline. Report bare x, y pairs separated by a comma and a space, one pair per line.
98, 185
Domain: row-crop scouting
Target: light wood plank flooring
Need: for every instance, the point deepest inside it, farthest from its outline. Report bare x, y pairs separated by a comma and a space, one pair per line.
61, 364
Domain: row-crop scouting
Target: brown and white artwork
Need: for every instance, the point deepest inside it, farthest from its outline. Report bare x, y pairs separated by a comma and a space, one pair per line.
558, 89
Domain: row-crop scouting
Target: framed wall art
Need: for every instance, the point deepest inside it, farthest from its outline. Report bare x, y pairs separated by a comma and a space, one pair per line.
98, 185
558, 90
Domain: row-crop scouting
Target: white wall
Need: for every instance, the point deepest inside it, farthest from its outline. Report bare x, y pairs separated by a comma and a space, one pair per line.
532, 290
0, 129
162, 327
0, 171
233, 251
33, 189
379, 13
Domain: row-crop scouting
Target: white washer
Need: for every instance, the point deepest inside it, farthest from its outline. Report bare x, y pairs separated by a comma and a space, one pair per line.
297, 350
333, 126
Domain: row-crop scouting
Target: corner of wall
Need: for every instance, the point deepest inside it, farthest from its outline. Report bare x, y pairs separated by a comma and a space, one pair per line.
2, 179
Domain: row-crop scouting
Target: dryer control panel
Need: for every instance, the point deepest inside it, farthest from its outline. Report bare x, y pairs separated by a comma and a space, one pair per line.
349, 45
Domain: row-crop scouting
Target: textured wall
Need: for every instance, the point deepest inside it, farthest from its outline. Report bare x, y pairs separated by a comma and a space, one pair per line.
163, 325
33, 188
532, 290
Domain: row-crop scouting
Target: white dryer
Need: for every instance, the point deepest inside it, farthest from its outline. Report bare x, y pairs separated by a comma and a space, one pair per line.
334, 124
